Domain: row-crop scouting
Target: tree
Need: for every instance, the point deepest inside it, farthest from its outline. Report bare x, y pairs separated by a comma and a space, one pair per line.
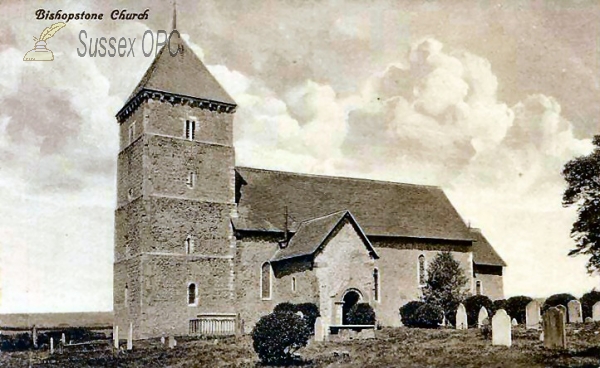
473, 305
277, 336
557, 299
515, 307
582, 175
587, 302
445, 284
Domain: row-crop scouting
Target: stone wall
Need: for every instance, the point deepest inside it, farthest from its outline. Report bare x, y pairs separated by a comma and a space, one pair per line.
491, 280
398, 272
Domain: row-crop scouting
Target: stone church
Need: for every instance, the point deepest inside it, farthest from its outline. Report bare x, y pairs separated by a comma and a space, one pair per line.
205, 247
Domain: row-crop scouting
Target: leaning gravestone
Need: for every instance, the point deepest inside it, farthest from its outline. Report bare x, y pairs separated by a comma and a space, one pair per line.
596, 312
483, 314
461, 317
555, 336
319, 330
532, 315
574, 307
501, 329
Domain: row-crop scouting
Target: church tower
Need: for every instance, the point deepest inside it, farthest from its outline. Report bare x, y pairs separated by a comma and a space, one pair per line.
174, 243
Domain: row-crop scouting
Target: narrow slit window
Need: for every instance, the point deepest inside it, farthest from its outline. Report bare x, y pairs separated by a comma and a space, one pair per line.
192, 294
126, 295
131, 132
478, 288
265, 281
422, 272
191, 180
190, 129
293, 284
189, 245
376, 284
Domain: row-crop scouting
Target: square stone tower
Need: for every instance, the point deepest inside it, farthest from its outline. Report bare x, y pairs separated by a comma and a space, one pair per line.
174, 243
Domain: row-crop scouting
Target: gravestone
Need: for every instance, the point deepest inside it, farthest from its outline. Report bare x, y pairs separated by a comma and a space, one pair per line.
574, 307
563, 309
501, 329
461, 317
514, 322
130, 337
51, 345
63, 338
532, 315
162, 340
319, 329
483, 314
588, 320
596, 312
172, 342
34, 336
116, 337
555, 336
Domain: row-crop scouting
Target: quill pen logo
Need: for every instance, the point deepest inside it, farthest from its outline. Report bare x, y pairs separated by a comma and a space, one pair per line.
40, 52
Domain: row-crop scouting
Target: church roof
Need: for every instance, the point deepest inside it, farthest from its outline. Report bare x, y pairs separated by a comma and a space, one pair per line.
381, 208
313, 233
183, 74
483, 252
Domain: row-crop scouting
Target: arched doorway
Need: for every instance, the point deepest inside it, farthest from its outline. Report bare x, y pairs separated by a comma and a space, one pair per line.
350, 299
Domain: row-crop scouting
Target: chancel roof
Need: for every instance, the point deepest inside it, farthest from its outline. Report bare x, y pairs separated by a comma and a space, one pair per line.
483, 252
312, 234
381, 208
183, 74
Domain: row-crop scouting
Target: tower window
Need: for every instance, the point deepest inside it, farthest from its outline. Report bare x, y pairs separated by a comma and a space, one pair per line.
376, 284
265, 281
192, 294
189, 245
131, 132
191, 180
422, 273
190, 129
126, 295
293, 284
478, 288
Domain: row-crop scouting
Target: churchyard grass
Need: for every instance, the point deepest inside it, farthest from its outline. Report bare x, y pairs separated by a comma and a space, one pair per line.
393, 347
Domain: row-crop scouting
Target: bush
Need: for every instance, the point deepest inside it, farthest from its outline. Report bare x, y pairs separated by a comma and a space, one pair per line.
498, 304
429, 316
473, 304
16, 342
515, 307
587, 302
361, 314
557, 299
277, 336
408, 313
309, 311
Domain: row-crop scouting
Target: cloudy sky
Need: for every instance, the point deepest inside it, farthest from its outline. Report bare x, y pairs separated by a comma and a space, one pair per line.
486, 100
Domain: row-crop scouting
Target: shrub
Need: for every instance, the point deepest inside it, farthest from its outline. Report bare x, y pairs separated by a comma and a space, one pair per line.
498, 304
587, 302
429, 316
277, 336
407, 313
515, 307
309, 311
16, 342
557, 299
473, 304
361, 314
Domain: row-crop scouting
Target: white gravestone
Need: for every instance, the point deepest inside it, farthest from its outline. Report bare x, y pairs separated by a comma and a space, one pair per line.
514, 322
130, 337
532, 315
461, 317
501, 329
574, 307
596, 312
483, 314
116, 337
319, 329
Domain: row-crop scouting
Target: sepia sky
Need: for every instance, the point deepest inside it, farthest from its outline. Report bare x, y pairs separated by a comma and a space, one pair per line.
486, 99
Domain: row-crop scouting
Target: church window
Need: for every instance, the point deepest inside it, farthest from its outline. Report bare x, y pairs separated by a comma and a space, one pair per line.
191, 180
130, 194
293, 284
131, 132
422, 274
189, 245
478, 288
192, 294
126, 295
265, 281
190, 129
376, 285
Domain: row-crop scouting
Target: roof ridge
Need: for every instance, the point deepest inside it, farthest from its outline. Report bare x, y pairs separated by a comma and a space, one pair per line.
378, 181
324, 216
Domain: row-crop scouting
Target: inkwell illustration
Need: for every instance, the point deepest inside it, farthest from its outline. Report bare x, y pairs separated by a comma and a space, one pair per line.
40, 52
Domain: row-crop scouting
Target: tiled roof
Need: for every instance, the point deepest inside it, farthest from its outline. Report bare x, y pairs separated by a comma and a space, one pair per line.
381, 208
483, 252
313, 233
183, 74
